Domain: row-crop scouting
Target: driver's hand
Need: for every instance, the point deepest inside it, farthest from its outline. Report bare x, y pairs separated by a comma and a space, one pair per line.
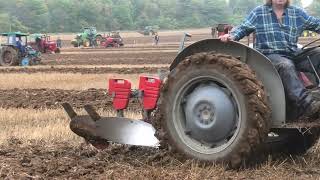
226, 38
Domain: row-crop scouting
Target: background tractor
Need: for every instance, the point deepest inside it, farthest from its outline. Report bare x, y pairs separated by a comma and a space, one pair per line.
43, 43
15, 51
149, 30
88, 38
113, 39
220, 29
220, 102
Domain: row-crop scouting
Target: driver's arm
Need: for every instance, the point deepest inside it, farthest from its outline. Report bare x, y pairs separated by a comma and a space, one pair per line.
246, 28
311, 23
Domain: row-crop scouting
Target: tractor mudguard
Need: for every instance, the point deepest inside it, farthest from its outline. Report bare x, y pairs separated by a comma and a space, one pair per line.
257, 61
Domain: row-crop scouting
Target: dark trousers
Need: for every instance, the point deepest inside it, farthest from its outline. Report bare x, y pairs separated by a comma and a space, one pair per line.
287, 68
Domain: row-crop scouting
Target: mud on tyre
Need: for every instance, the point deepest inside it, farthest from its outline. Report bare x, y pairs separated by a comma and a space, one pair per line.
213, 109
9, 56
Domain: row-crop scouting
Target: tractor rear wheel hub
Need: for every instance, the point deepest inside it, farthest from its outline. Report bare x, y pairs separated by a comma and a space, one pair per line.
210, 114
205, 113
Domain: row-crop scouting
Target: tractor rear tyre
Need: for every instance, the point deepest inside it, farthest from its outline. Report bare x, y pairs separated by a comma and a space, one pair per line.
213, 109
9, 56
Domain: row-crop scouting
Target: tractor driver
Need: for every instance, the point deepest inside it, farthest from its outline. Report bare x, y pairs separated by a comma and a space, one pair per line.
278, 26
38, 43
20, 45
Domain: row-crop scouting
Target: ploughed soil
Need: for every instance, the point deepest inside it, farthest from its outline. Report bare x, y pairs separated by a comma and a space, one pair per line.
149, 39
94, 70
130, 54
72, 160
53, 98
108, 59
62, 160
132, 48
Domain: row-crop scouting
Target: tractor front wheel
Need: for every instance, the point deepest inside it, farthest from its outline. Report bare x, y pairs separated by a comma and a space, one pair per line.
213, 109
9, 56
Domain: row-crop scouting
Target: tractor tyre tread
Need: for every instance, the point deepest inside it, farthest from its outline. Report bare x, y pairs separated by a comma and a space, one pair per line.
15, 60
259, 113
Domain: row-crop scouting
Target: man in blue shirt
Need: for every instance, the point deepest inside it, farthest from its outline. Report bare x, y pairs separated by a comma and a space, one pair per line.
20, 46
278, 26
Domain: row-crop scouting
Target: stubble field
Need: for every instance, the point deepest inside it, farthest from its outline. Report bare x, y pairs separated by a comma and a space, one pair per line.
35, 140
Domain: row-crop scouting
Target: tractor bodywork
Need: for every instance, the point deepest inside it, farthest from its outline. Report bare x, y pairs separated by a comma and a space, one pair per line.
258, 62
220, 102
113, 39
43, 43
15, 52
11, 38
149, 30
220, 29
88, 38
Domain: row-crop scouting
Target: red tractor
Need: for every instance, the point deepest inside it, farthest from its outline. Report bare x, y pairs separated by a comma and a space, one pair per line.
220, 30
43, 43
113, 39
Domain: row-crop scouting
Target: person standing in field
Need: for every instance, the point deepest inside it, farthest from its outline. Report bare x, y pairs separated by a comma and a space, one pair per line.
156, 39
213, 32
59, 43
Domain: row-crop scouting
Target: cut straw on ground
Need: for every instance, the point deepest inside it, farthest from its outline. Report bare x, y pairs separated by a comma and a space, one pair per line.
47, 125
62, 81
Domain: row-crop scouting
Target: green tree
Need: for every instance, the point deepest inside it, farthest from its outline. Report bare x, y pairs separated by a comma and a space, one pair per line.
107, 15
8, 23
32, 13
121, 12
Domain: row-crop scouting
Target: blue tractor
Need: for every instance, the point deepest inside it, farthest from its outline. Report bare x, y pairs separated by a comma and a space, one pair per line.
15, 50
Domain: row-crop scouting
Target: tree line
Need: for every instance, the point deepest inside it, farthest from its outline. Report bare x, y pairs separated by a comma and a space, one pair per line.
108, 15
